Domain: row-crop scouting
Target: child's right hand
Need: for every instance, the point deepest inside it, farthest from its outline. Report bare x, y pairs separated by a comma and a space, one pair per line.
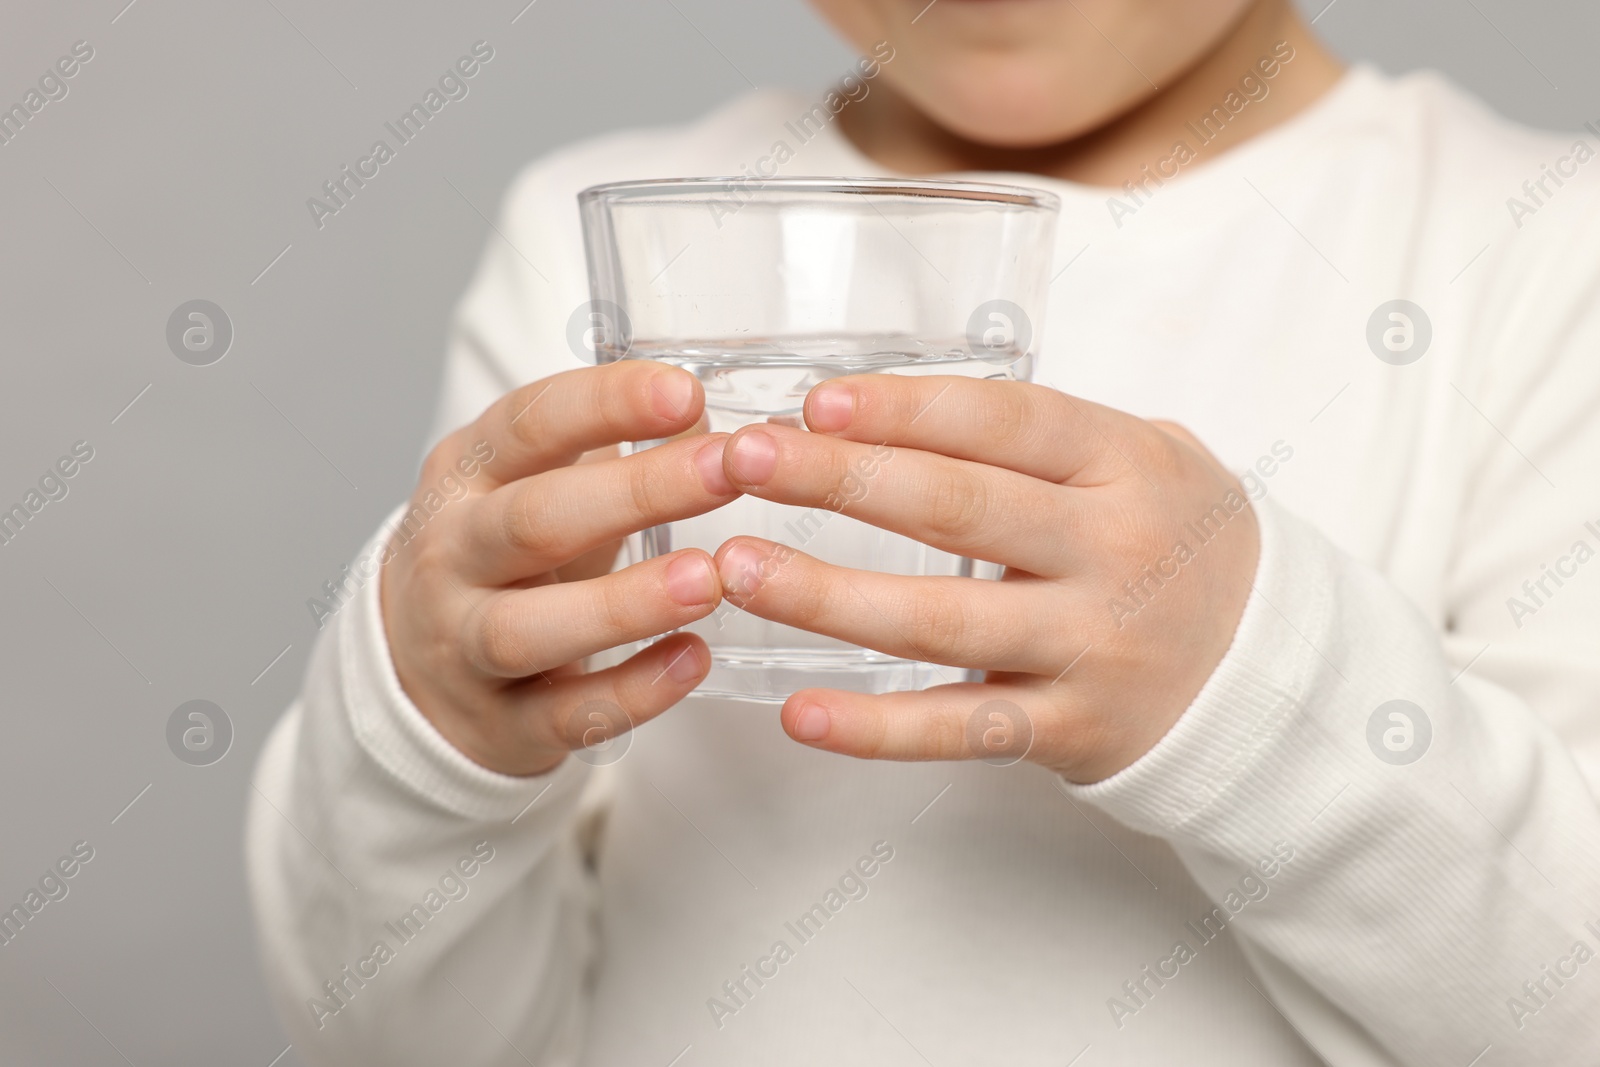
492, 607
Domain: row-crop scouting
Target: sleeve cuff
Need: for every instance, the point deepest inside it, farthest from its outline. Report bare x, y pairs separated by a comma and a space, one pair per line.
391, 729
1244, 717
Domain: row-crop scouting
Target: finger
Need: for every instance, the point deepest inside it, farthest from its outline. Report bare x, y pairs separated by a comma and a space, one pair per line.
1031, 429
595, 711
957, 622
552, 422
518, 633
601, 559
967, 720
544, 521
961, 507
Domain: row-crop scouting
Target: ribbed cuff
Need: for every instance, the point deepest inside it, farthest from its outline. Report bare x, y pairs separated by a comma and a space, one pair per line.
1239, 726
400, 738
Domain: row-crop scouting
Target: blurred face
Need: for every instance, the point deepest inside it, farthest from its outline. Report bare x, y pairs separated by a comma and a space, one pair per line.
1028, 73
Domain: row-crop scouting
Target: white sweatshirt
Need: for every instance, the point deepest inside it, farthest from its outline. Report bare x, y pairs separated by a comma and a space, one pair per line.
1273, 883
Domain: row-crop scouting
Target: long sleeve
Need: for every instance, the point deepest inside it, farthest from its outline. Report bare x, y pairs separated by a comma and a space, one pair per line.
1395, 809
413, 907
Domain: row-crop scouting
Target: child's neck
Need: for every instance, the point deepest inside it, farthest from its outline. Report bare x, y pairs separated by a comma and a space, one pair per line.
890, 130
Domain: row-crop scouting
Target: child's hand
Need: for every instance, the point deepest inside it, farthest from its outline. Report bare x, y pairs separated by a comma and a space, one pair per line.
492, 607
1074, 498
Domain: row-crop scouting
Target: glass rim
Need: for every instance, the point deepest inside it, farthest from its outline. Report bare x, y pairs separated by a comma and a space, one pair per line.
752, 188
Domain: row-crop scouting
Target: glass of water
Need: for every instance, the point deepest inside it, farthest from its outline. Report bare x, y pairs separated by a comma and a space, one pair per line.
762, 289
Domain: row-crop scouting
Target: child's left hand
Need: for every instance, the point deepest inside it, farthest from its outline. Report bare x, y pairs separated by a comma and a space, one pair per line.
1075, 499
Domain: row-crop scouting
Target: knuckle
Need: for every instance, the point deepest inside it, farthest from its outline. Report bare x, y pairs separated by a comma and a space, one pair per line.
905, 398
414, 554
957, 503
499, 645
874, 739
523, 418
939, 620
621, 393
1179, 432
1035, 418
436, 463
640, 692
805, 600
943, 737
644, 491
1139, 536
528, 527
1167, 453
613, 611
1014, 412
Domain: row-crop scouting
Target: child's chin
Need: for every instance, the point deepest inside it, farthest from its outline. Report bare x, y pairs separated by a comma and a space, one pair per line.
1020, 105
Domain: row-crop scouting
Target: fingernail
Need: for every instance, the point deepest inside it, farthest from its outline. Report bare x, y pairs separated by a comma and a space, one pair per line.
689, 581
812, 723
683, 665
753, 458
741, 570
708, 461
671, 393
831, 407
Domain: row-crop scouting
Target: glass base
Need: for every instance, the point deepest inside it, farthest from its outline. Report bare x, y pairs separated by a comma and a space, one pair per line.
771, 675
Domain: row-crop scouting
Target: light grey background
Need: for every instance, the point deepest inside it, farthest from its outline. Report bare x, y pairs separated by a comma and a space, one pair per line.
179, 564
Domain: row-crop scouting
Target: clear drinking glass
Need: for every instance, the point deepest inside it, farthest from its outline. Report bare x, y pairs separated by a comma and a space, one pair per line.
764, 288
